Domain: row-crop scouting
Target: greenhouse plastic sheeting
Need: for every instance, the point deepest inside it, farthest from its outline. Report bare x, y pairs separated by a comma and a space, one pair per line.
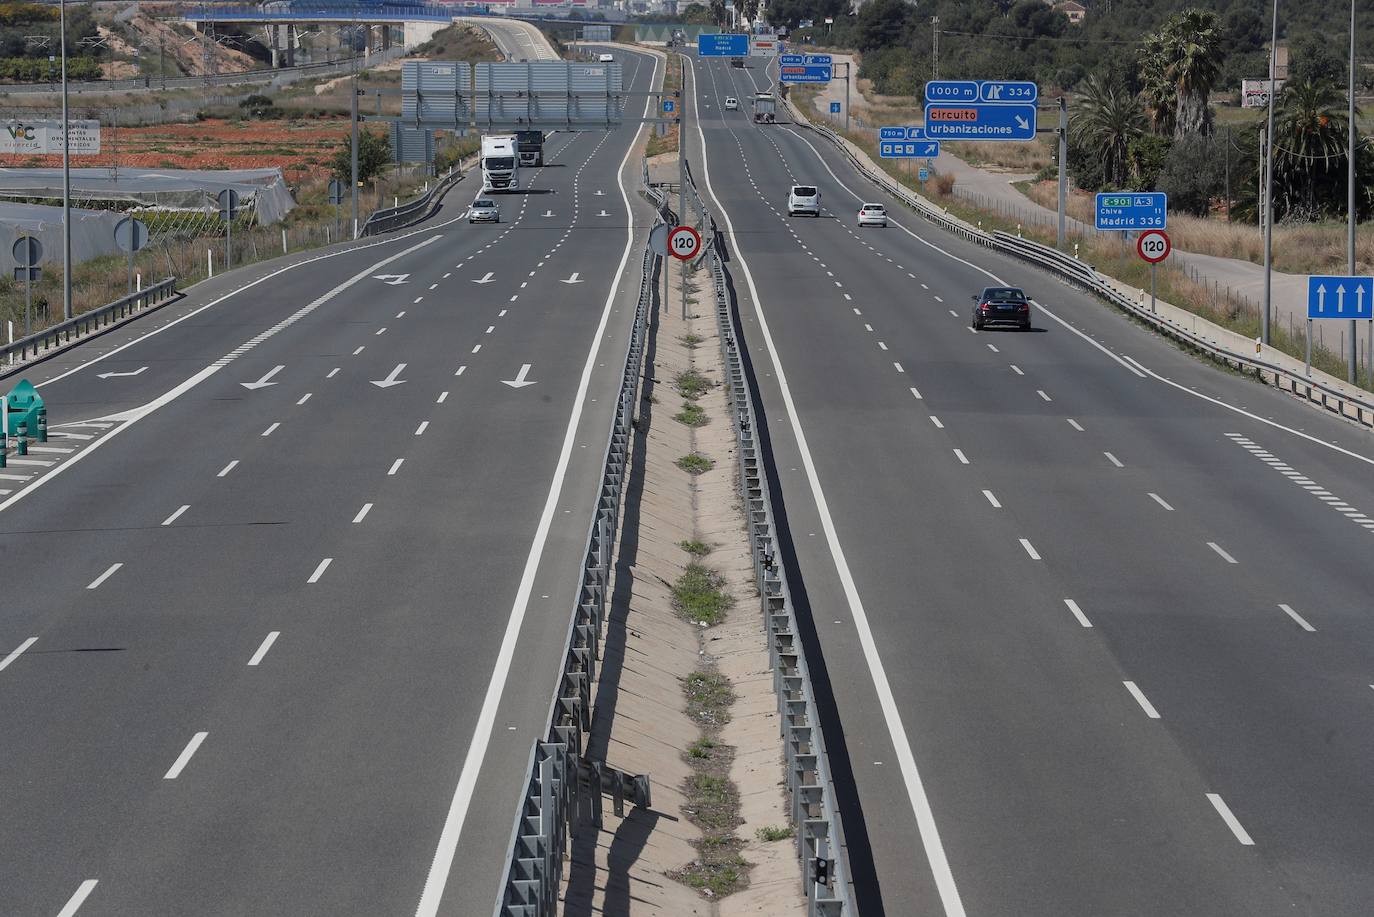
92, 232
263, 190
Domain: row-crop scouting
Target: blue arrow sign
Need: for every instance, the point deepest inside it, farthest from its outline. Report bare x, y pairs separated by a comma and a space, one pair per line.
668, 106
834, 108
952, 91
923, 174
1135, 210
979, 121
1007, 91
1340, 297
803, 73
908, 149
723, 45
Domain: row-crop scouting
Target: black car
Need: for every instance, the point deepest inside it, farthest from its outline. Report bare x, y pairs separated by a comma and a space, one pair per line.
1001, 306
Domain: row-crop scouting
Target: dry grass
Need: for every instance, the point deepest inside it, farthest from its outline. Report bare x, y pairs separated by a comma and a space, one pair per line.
1013, 157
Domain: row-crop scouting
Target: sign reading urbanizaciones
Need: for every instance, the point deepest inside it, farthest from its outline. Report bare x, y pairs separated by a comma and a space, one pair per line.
39, 137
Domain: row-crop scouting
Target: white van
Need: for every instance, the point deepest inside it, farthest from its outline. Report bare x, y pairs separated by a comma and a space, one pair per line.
804, 199
606, 59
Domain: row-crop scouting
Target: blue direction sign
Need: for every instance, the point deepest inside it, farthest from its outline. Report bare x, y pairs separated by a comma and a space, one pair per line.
668, 106
923, 174
804, 68
891, 133
834, 108
1006, 91
980, 121
952, 91
1340, 297
908, 149
723, 45
1127, 211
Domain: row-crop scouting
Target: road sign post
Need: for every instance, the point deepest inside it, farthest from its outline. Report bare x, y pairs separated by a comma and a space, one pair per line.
658, 243
1132, 211
228, 206
1337, 296
27, 251
1153, 246
684, 243
131, 236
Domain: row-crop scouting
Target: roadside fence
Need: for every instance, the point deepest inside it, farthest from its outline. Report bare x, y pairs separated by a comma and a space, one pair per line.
60, 335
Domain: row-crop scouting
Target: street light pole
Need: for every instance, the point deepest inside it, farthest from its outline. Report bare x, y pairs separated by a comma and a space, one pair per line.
66, 172
1269, 183
1353, 365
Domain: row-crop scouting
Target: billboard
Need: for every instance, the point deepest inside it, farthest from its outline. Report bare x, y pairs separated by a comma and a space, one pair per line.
43, 136
1255, 93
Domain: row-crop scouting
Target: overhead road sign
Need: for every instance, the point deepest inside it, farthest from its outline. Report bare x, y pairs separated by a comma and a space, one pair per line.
1123, 211
908, 149
765, 47
805, 68
1153, 245
1007, 91
980, 121
1340, 297
728, 45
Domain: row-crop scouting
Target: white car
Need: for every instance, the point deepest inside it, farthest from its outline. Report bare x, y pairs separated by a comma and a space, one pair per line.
804, 199
606, 59
731, 104
484, 210
873, 215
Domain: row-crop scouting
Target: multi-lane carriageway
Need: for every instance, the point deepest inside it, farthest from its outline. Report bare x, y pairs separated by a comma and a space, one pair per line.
1094, 619
1091, 618
282, 621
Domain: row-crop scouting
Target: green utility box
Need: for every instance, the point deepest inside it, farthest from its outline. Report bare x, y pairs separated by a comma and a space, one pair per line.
27, 412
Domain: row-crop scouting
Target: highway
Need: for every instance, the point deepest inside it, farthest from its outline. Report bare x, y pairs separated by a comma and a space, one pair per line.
1092, 616
288, 586
516, 39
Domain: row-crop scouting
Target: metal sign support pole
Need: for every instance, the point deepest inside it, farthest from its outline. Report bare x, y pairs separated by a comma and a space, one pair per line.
131, 269
229, 240
66, 175
1309, 348
1152, 287
682, 172
28, 301
354, 154
1063, 165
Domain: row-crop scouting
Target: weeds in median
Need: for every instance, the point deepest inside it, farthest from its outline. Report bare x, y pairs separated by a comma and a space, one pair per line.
691, 384
692, 415
709, 697
695, 463
691, 341
695, 547
771, 833
699, 595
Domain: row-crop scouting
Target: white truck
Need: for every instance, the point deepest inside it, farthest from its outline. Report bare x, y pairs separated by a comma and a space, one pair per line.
500, 163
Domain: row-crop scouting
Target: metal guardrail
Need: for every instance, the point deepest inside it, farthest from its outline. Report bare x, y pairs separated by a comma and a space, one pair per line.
411, 212
815, 818
1352, 407
564, 787
80, 326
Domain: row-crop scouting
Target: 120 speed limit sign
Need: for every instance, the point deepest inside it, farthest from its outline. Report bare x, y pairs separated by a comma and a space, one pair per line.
684, 243
1153, 245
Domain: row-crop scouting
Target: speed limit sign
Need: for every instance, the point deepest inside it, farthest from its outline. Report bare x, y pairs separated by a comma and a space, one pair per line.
1153, 245
684, 243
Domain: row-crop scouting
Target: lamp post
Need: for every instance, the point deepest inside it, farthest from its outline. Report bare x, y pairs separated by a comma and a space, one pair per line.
1353, 365
1269, 183
66, 171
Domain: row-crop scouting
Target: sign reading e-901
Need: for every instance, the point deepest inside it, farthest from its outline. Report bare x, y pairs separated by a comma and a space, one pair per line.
1144, 210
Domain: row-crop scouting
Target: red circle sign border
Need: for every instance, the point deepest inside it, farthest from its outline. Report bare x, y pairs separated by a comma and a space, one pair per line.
1140, 242
696, 236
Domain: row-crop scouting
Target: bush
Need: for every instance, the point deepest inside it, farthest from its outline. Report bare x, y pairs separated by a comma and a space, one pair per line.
699, 595
1147, 154
1193, 174
374, 155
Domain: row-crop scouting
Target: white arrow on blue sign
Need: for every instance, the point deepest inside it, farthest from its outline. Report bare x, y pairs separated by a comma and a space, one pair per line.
1340, 297
668, 106
980, 121
834, 108
919, 149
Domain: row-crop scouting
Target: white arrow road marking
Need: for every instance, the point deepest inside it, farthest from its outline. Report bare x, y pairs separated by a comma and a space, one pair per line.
391, 379
486, 279
120, 375
599, 193
392, 280
572, 279
548, 213
603, 214
264, 381
520, 381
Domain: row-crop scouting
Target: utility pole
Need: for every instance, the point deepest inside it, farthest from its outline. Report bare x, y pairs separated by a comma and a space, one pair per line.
1228, 173
934, 47
1353, 364
1268, 196
682, 172
66, 172
1063, 166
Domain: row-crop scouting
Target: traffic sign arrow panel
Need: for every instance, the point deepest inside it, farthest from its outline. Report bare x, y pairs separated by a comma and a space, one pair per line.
1336, 296
979, 121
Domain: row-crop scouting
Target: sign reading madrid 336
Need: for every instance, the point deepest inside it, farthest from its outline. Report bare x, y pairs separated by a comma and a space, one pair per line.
727, 45
980, 110
1125, 211
46, 137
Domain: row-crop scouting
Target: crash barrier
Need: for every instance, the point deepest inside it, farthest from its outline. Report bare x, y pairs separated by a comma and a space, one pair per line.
815, 817
60, 335
411, 212
564, 788
1074, 272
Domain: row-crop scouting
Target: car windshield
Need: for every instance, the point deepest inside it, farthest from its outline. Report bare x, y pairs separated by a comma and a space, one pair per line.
804, 191
874, 208
489, 205
1003, 293
500, 162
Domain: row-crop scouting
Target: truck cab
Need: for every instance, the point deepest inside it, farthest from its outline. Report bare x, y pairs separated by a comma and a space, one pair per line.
530, 145
500, 163
765, 108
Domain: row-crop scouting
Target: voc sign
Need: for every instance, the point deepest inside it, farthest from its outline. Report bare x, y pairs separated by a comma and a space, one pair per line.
39, 137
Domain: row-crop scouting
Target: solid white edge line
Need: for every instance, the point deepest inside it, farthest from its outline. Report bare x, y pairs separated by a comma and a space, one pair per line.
920, 803
447, 847
1287, 609
95, 584
185, 757
74, 903
19, 651
266, 645
1141, 699
1231, 821
1078, 613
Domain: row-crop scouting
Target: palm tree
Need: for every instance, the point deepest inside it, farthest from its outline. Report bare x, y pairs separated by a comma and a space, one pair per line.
1159, 95
1194, 39
1309, 142
718, 14
1106, 121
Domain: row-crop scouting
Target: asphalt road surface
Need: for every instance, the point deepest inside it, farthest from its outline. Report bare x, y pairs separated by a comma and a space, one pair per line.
287, 588
1094, 616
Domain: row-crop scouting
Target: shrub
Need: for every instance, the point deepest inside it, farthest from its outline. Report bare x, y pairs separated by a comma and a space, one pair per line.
699, 595
695, 463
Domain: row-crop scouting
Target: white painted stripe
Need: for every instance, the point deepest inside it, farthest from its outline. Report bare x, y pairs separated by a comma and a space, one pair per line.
332, 373
1160, 500
81, 436
15, 477
32, 463
1140, 698
380, 331
1114, 460
58, 450
95, 583
898, 367
1030, 549
227, 468
1288, 610
268, 431
443, 396
1231, 822
304, 399
915, 394
992, 499
266, 645
74, 903
1016, 369
490, 328
362, 513
935, 420
319, 571
1039, 391
959, 454
424, 425
359, 350
882, 346
1078, 613
176, 515
993, 348
395, 466
5, 663
1224, 556
185, 757
479, 346
461, 370
1073, 423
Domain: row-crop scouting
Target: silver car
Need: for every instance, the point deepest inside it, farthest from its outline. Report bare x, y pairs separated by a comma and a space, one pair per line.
484, 210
